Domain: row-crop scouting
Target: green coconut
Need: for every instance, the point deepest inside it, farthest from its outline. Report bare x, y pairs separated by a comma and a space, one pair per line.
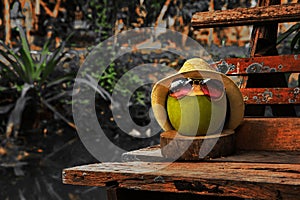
193, 115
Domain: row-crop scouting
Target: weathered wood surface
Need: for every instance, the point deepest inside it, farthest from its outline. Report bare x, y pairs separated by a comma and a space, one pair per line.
263, 38
149, 154
283, 157
153, 154
254, 134
246, 180
263, 64
247, 16
272, 134
179, 147
259, 65
271, 95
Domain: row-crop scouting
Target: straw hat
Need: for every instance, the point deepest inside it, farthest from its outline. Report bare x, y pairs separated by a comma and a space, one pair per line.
197, 68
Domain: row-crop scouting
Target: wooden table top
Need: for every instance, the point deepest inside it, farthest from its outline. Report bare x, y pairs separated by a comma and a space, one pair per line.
245, 175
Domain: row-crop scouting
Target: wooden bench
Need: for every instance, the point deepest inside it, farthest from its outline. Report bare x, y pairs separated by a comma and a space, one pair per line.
266, 164
250, 176
280, 133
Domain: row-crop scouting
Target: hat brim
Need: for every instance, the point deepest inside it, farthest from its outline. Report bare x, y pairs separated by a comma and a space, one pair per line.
161, 88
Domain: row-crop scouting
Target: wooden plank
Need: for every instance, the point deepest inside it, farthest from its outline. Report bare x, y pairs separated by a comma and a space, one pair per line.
283, 157
247, 16
271, 95
153, 154
245, 180
264, 64
176, 146
274, 134
263, 38
149, 154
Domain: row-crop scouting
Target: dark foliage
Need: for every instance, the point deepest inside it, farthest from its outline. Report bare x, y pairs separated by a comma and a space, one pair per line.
38, 103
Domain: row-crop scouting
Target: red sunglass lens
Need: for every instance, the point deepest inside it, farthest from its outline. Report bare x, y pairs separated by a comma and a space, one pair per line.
180, 88
212, 88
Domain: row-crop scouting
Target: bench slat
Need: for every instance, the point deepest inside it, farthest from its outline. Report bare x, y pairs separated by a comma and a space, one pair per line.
269, 134
271, 95
264, 64
245, 180
153, 153
247, 16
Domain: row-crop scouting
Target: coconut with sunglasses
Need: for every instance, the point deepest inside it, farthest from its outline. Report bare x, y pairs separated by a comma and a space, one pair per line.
197, 102
192, 103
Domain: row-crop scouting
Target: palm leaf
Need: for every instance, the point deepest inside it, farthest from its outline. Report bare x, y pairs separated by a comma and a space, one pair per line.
43, 61
284, 35
3, 88
93, 84
18, 60
60, 80
26, 56
52, 62
55, 58
15, 116
16, 68
56, 97
294, 41
4, 66
6, 108
57, 113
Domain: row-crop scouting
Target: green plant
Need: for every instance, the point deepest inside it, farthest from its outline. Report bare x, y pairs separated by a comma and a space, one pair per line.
108, 79
37, 78
101, 18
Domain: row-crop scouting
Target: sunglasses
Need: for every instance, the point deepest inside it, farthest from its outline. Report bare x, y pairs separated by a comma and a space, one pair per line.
212, 88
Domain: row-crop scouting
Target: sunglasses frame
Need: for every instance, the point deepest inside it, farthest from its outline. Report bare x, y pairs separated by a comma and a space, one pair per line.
198, 81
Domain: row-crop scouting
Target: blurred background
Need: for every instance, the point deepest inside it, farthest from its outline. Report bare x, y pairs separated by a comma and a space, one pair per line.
43, 44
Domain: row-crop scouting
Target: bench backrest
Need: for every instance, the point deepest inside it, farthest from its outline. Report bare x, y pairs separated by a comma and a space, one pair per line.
263, 80
285, 65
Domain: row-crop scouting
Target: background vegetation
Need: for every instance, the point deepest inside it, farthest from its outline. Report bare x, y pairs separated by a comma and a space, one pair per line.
44, 42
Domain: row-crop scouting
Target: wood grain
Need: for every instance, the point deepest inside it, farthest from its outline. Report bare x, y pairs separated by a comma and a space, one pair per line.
179, 147
148, 154
153, 154
271, 95
262, 64
264, 37
246, 180
272, 134
247, 16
